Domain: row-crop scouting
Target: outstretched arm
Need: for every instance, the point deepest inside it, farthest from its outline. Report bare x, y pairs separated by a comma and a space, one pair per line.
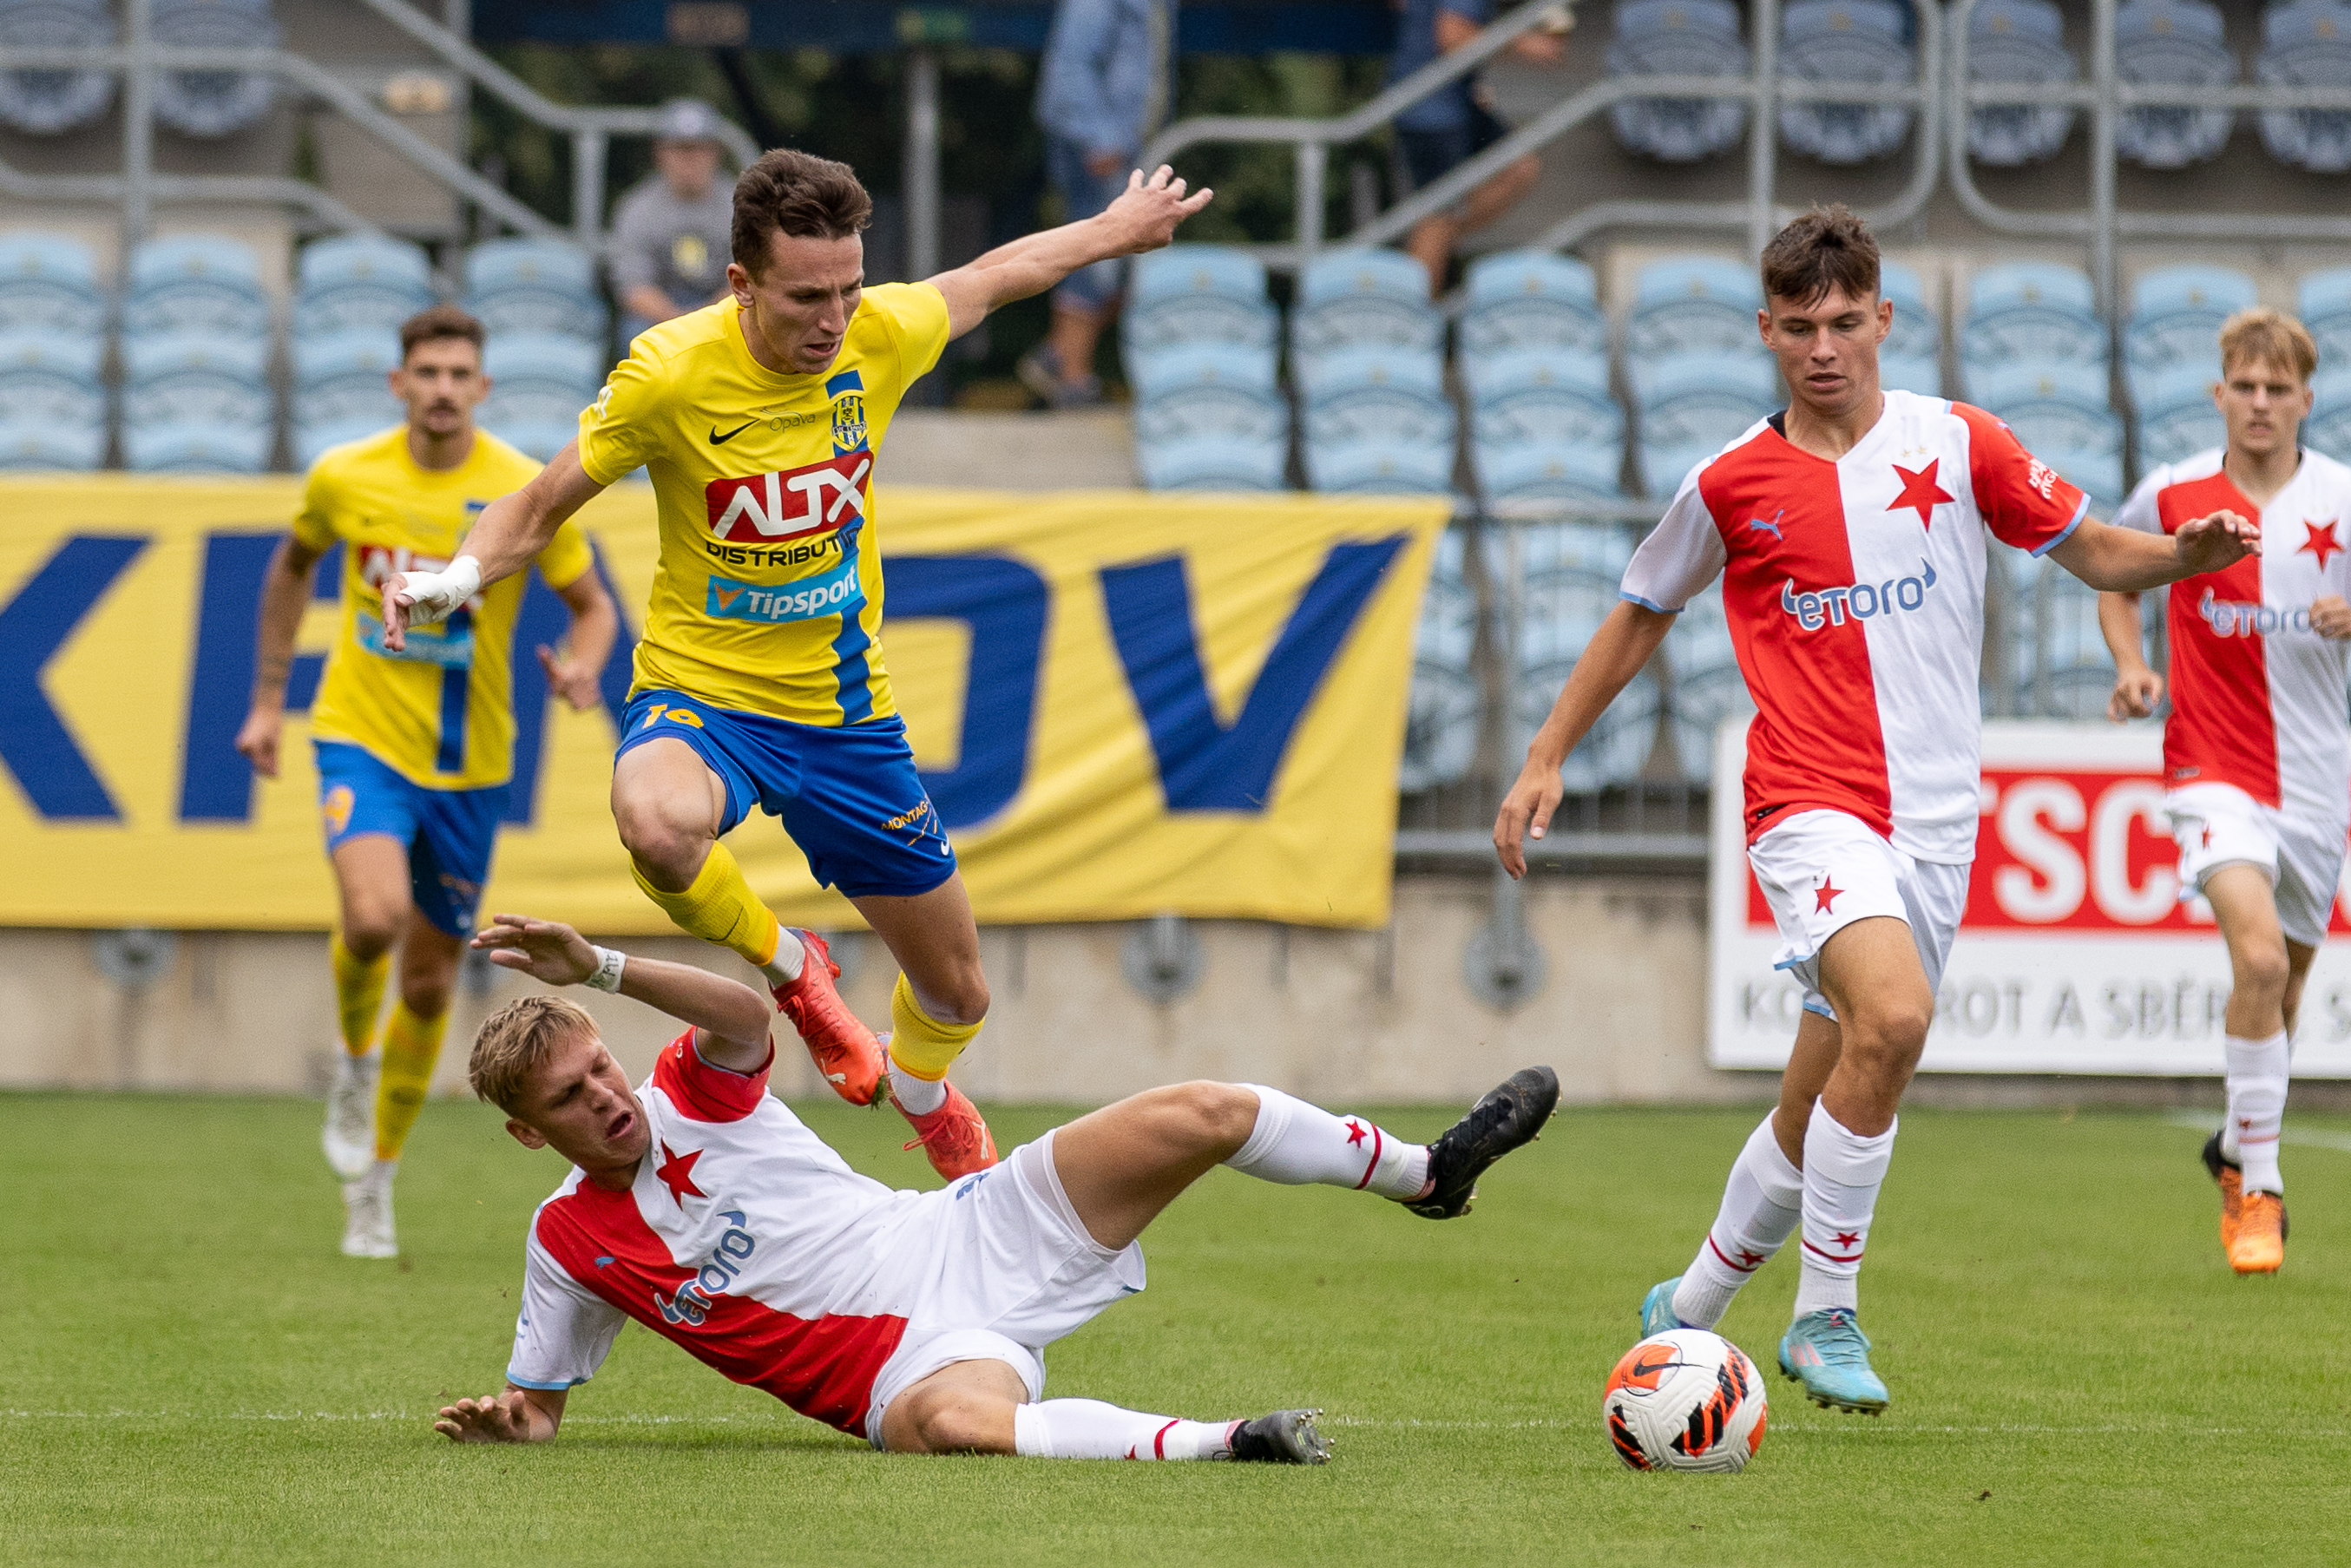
511, 531
1143, 218
2126, 560
517, 1416
1624, 643
730, 1019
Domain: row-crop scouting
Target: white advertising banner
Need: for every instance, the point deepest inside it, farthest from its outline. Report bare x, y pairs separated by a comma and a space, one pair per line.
2077, 953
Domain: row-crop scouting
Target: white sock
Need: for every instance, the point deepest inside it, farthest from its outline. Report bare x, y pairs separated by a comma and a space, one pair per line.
1295, 1144
917, 1096
791, 957
1843, 1171
1090, 1430
1760, 1203
2257, 1081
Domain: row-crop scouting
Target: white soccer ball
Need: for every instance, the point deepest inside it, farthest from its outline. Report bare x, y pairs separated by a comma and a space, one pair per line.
1685, 1400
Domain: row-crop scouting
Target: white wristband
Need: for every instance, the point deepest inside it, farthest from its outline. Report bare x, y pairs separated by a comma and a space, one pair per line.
607, 977
435, 595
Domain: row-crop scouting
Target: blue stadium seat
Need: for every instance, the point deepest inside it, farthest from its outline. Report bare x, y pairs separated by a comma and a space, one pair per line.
1917, 330
51, 103
1694, 406
48, 283
1201, 363
535, 286
2175, 320
1911, 373
2032, 313
2328, 428
2324, 303
1573, 573
2058, 659
1862, 41
312, 440
50, 383
538, 384
1691, 304
198, 447
1444, 707
195, 283
1708, 686
195, 379
1542, 394
1195, 294
1357, 298
2022, 42
1377, 419
1538, 469
214, 103
1530, 298
1216, 432
339, 382
1679, 37
2177, 416
2057, 407
2307, 43
359, 281
44, 443
2172, 43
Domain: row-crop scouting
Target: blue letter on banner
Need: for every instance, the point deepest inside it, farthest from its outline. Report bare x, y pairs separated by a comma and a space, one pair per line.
216, 783
1004, 603
1204, 767
34, 741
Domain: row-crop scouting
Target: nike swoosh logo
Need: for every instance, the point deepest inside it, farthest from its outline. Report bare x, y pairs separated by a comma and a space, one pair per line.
719, 440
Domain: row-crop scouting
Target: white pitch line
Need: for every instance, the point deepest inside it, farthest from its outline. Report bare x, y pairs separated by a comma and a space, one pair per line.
2309, 1137
1780, 1425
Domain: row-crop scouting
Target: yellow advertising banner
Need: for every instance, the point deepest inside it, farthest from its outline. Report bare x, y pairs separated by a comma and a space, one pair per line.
1122, 704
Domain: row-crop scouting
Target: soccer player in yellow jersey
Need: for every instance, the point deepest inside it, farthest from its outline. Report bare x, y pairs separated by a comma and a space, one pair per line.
759, 679
415, 737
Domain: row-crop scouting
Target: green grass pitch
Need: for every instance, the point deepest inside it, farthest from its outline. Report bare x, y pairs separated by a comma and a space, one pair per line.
188, 1373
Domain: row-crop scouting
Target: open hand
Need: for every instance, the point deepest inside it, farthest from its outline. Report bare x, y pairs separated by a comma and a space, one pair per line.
492, 1418
257, 739
546, 950
1145, 214
2137, 690
2331, 617
575, 683
1526, 814
2214, 542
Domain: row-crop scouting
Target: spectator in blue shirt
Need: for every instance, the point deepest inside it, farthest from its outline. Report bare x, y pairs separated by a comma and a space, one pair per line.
1453, 125
1102, 91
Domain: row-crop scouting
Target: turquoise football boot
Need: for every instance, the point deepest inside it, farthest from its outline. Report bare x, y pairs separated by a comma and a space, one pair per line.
1828, 1353
1657, 1308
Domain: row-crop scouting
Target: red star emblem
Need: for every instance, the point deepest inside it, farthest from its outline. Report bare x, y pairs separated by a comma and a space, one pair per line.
1355, 1132
1920, 493
1749, 1260
1848, 1238
676, 1173
2322, 542
1825, 895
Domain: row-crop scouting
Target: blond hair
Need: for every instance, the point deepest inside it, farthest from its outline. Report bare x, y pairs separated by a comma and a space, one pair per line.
515, 1039
2268, 336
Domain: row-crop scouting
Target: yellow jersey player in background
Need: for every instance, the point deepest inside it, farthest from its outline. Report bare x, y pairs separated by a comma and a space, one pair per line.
759, 678
414, 735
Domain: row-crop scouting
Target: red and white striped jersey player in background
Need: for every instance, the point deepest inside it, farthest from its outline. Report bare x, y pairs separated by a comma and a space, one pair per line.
2256, 751
1850, 531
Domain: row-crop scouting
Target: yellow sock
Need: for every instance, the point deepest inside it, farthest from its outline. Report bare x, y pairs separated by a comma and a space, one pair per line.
919, 1043
720, 907
359, 992
410, 1046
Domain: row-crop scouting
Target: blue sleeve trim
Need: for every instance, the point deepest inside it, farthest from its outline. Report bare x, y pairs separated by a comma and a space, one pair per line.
1791, 963
1820, 1009
544, 1387
2079, 513
1637, 599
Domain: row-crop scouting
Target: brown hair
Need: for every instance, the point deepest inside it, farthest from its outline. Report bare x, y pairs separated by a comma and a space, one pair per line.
515, 1039
435, 322
795, 193
1825, 249
2268, 336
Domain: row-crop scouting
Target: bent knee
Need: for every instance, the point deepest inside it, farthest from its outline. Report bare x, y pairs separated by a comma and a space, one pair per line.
964, 1002
2264, 966
963, 1423
669, 854
1220, 1113
1893, 1027
370, 930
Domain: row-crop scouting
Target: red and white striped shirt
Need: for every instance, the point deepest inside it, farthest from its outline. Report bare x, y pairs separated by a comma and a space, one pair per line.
1854, 594
2257, 697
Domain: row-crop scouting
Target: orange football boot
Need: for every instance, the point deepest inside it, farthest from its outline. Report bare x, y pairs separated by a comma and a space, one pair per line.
847, 1052
954, 1139
2260, 1244
2231, 1179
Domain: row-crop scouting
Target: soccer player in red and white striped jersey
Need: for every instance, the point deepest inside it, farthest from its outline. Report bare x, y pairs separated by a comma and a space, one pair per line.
702, 1207
1850, 532
2256, 750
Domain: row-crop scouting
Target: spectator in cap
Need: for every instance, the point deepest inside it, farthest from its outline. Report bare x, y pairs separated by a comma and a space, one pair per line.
670, 234
1102, 90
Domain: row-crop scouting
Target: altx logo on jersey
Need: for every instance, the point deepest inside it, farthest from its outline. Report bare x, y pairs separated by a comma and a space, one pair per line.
1813, 609
835, 592
761, 507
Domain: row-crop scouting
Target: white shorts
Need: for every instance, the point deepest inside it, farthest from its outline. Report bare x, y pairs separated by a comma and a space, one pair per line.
1822, 870
1007, 1267
2219, 824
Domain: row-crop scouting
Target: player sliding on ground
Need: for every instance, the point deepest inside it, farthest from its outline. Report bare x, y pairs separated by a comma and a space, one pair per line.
415, 739
2256, 753
759, 678
702, 1207
1850, 530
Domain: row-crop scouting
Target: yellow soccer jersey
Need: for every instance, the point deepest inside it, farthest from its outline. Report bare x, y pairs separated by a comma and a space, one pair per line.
440, 713
768, 595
